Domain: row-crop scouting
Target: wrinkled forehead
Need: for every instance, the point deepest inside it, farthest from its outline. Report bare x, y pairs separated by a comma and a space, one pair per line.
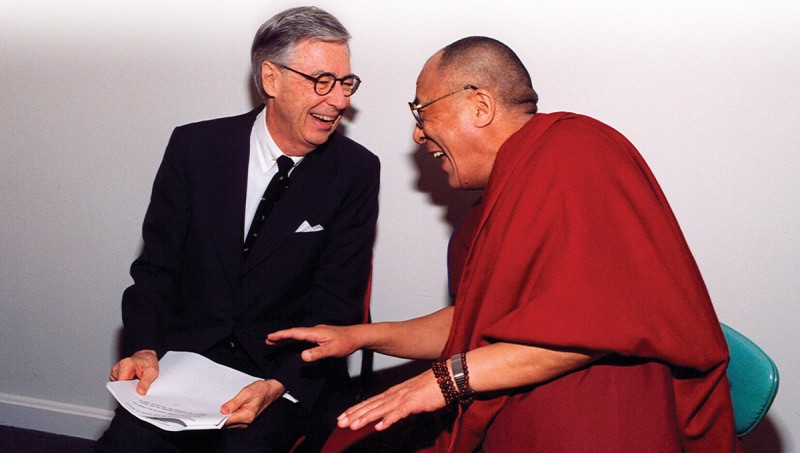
318, 56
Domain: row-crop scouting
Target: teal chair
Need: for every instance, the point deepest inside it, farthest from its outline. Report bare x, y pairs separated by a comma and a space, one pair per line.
753, 377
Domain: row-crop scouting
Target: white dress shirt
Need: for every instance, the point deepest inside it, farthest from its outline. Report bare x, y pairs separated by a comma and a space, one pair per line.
262, 166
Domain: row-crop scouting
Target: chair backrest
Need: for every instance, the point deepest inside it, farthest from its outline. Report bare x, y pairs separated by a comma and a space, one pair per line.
367, 356
753, 378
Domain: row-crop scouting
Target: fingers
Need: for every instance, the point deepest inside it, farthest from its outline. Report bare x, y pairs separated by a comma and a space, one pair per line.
147, 376
142, 365
418, 394
240, 410
124, 370
390, 419
242, 413
383, 408
112, 376
280, 335
316, 353
328, 343
376, 408
146, 369
250, 402
297, 333
233, 404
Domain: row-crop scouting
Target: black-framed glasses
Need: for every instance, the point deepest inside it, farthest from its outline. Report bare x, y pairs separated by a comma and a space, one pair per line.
324, 83
417, 108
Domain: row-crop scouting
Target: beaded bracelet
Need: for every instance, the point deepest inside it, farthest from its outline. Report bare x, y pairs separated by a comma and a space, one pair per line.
449, 391
461, 376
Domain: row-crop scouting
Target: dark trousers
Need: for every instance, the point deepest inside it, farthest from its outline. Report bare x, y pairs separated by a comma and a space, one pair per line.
276, 429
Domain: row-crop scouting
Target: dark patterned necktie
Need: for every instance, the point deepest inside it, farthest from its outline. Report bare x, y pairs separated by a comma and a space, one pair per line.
275, 190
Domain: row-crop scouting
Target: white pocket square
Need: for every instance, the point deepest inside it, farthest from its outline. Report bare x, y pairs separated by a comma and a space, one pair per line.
306, 227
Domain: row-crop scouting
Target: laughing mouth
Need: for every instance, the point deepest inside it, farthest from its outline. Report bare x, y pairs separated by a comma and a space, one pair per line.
324, 118
438, 154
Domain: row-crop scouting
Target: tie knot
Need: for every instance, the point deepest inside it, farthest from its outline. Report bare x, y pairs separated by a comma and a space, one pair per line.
285, 164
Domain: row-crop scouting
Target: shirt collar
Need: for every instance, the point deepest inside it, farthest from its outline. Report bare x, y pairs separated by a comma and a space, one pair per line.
266, 149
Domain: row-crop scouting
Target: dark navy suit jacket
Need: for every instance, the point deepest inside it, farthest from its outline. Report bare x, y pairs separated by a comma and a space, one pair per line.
192, 288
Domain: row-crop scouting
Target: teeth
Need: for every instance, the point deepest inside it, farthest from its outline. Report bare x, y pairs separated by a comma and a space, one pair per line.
327, 119
438, 155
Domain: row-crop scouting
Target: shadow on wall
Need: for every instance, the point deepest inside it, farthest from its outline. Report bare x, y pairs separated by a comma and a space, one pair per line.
433, 181
765, 438
120, 337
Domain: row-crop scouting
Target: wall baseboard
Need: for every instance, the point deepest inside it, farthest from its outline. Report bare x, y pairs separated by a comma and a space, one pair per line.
53, 417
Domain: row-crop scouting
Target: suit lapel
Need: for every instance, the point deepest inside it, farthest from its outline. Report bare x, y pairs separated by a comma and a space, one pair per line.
293, 208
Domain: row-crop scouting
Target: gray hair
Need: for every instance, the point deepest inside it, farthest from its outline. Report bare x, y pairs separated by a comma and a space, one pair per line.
488, 63
277, 38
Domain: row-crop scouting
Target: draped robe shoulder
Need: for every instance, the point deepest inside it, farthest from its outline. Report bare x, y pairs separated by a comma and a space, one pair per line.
575, 246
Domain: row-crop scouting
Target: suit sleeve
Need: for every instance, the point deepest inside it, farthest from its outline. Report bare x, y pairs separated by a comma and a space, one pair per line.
156, 272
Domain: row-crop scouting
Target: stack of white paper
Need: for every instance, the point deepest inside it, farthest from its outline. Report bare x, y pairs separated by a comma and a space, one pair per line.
188, 393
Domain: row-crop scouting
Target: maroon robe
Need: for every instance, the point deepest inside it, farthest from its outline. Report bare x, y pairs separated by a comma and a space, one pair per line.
575, 246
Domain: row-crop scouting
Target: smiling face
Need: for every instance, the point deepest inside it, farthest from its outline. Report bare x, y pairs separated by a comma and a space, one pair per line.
298, 119
449, 131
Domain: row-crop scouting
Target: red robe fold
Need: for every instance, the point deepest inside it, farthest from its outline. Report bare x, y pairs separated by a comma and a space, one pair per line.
575, 246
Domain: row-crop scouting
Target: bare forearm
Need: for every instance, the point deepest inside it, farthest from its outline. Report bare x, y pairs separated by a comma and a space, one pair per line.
494, 367
418, 338
505, 365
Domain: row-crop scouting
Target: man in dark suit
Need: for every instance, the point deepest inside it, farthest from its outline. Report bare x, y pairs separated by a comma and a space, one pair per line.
218, 270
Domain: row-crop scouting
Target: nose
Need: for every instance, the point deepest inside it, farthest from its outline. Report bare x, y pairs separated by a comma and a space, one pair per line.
419, 135
337, 98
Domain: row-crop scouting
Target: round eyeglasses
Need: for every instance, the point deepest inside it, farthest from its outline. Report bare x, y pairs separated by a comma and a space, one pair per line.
324, 83
417, 108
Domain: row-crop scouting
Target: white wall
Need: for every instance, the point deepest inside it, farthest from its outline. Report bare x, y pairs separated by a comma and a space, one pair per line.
708, 91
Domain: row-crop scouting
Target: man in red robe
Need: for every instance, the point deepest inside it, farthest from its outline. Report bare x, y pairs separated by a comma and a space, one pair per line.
581, 321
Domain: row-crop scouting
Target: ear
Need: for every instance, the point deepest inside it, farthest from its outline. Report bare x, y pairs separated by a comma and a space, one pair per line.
269, 78
485, 107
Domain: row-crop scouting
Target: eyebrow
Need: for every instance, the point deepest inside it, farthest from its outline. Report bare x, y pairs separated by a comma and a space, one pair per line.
319, 72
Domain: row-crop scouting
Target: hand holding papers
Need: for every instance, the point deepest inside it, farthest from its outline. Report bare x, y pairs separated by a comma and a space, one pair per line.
188, 393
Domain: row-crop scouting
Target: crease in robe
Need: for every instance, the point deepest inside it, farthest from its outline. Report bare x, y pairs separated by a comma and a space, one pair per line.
575, 246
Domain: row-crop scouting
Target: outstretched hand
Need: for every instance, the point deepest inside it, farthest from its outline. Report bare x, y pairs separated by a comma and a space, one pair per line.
416, 395
332, 341
142, 365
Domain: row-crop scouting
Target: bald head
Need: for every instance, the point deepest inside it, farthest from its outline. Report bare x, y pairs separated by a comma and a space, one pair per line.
491, 65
